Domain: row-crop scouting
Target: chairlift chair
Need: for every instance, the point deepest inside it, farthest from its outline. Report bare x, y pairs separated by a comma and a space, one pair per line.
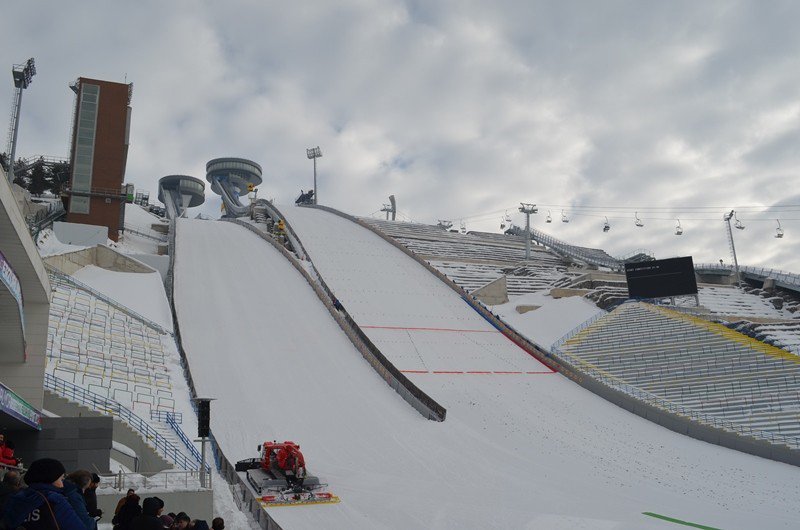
779, 230
638, 222
463, 228
549, 219
738, 224
679, 229
502, 223
564, 218
508, 217
606, 226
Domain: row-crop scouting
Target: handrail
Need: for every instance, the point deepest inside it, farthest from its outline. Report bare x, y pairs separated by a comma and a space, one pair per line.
790, 278
114, 408
136, 230
574, 251
189, 445
110, 301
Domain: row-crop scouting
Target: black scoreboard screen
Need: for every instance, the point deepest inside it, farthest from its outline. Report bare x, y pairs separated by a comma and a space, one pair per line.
661, 278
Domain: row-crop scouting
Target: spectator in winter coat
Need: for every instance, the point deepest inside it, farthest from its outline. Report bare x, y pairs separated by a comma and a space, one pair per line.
149, 518
198, 524
123, 500
7, 454
74, 486
11, 484
129, 511
218, 523
41, 505
90, 494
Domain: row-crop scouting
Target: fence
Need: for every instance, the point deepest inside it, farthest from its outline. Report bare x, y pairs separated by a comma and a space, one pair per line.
167, 479
101, 404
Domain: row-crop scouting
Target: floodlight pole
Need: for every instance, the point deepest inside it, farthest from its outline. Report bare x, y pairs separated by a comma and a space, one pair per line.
727, 218
527, 209
23, 76
314, 153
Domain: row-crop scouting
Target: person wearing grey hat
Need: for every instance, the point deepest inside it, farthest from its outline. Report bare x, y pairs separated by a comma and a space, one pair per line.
42, 505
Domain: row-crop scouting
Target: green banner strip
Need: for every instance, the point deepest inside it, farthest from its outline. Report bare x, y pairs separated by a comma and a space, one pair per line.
678, 521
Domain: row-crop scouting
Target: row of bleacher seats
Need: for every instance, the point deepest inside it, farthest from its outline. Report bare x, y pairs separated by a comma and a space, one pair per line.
472, 260
695, 364
106, 351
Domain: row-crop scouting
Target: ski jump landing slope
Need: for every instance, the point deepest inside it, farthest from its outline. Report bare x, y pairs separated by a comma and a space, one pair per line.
521, 447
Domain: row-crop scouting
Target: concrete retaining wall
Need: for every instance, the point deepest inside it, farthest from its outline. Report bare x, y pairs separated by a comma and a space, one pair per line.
198, 504
148, 459
79, 443
100, 256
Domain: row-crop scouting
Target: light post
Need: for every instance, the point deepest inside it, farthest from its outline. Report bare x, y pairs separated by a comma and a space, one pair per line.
23, 76
727, 218
528, 209
313, 153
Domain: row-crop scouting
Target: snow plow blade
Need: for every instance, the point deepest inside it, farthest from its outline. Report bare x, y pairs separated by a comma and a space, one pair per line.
305, 498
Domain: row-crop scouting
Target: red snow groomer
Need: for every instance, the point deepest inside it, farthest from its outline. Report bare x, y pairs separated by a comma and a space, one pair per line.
280, 473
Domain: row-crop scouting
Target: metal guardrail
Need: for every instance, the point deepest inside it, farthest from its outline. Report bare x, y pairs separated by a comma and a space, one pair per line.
574, 251
165, 416
182, 436
99, 403
139, 231
110, 301
161, 479
42, 218
790, 279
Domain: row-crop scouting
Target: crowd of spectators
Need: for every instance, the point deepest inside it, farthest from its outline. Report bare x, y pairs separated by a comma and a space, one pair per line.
46, 497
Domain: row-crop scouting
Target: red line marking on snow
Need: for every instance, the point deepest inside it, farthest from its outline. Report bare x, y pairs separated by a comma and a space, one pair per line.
434, 329
475, 372
520, 346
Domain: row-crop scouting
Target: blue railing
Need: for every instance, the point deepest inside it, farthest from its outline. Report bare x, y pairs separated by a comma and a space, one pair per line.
188, 443
110, 301
165, 416
102, 404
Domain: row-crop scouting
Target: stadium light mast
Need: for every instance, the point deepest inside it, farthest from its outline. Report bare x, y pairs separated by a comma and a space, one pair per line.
313, 153
23, 76
727, 218
528, 209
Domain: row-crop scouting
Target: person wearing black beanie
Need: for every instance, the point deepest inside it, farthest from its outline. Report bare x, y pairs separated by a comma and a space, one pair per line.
42, 502
149, 519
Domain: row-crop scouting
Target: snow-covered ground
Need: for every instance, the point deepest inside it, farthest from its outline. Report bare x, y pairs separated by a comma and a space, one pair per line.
516, 451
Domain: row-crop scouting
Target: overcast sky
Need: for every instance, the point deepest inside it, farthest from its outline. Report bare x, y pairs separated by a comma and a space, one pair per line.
675, 110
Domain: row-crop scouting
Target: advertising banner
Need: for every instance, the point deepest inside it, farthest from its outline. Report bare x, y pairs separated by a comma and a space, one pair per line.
13, 405
9, 278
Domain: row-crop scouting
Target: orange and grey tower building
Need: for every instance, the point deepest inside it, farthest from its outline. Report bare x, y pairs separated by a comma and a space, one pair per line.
99, 152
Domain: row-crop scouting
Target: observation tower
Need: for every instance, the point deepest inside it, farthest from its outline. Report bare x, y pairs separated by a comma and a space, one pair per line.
231, 178
180, 192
